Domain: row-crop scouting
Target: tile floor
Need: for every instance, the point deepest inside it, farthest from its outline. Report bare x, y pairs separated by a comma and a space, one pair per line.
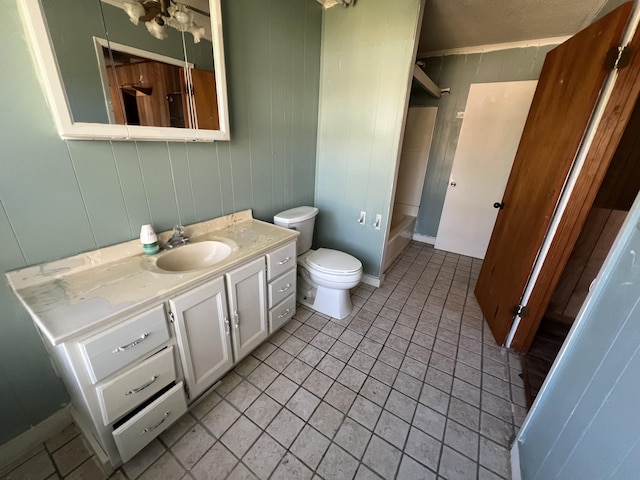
410, 386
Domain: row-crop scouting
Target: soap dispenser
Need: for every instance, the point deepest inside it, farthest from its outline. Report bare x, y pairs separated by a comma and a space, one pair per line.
149, 240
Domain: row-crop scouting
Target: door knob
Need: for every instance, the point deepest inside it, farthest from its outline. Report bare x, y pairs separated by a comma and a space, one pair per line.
499, 205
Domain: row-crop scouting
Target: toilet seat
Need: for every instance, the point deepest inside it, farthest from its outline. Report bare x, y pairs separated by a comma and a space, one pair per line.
333, 262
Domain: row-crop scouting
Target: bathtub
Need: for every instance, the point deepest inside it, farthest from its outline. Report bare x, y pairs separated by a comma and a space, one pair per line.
402, 227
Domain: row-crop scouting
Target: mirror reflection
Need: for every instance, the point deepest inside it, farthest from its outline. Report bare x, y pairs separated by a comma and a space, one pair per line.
147, 63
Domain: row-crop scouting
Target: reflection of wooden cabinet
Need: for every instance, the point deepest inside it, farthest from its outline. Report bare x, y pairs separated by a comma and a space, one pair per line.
155, 94
139, 95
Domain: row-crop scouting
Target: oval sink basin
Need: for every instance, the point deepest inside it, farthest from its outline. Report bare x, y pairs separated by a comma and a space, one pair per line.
193, 256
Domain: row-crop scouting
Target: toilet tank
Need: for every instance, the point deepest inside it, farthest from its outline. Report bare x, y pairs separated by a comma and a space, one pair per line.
301, 219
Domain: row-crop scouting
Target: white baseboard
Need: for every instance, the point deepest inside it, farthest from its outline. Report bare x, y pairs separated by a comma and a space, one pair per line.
424, 239
373, 281
18, 446
515, 461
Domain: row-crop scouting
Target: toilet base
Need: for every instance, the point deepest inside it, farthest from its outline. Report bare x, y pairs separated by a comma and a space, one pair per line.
335, 303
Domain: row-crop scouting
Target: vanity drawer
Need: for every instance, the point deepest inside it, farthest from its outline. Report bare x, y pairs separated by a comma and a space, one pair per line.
281, 313
135, 433
281, 260
133, 387
282, 287
112, 349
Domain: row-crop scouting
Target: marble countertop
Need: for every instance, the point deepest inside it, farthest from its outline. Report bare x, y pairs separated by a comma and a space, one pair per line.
74, 296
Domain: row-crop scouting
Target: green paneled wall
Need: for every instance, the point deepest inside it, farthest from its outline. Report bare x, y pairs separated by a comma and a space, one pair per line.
59, 198
366, 65
458, 72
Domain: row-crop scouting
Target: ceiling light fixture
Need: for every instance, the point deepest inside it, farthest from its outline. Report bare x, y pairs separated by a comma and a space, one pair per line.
157, 15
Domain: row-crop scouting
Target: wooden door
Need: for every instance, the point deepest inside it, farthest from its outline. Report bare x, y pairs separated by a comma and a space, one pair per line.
202, 330
494, 118
569, 85
204, 100
248, 307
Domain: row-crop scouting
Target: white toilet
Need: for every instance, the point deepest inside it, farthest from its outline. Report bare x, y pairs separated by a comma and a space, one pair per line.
324, 276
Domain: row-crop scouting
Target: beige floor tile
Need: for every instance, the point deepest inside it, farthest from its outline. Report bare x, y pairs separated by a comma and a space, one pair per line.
89, 470
192, 446
143, 460
65, 436
263, 457
165, 468
37, 467
71, 455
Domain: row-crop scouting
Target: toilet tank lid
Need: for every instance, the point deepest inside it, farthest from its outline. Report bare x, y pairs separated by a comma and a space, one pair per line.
295, 215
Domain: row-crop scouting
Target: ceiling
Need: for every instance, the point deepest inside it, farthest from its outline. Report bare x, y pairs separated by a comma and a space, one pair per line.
453, 24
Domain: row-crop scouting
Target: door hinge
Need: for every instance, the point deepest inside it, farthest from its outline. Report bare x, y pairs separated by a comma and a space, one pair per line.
186, 390
172, 318
520, 310
618, 58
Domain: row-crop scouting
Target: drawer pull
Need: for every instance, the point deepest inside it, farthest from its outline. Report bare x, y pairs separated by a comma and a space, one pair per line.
132, 344
142, 387
152, 428
285, 288
285, 313
282, 262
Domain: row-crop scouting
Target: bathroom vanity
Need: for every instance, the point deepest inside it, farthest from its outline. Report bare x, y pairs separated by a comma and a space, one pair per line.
136, 344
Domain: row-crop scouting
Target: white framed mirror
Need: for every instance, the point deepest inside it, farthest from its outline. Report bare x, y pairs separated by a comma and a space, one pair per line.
108, 78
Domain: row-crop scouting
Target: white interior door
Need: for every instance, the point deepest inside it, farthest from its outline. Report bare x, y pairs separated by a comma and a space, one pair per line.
493, 122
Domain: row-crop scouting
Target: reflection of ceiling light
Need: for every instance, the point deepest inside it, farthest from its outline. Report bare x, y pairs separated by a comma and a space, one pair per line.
333, 3
159, 14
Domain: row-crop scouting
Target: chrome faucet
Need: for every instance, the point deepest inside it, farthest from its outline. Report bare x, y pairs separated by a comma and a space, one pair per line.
178, 238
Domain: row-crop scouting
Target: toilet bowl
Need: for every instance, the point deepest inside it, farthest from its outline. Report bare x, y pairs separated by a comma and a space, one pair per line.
330, 284
325, 276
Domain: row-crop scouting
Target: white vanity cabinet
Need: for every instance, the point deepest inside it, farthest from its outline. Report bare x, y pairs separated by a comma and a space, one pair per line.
202, 327
112, 349
220, 322
282, 276
124, 383
129, 354
247, 286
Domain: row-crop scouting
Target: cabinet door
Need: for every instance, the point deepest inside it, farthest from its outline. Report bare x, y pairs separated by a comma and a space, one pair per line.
248, 306
202, 328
